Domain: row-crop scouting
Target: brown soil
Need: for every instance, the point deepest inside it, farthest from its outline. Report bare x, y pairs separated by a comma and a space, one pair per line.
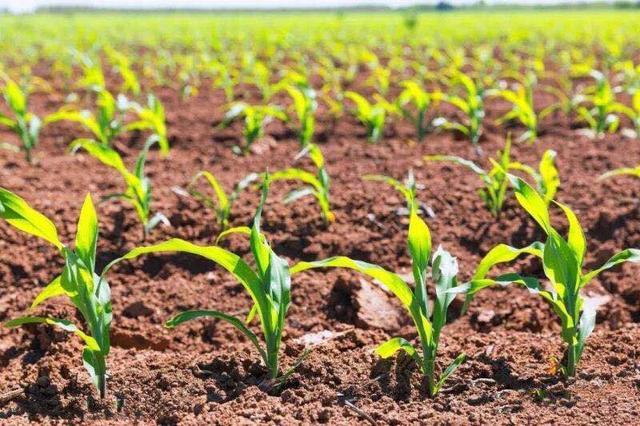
205, 372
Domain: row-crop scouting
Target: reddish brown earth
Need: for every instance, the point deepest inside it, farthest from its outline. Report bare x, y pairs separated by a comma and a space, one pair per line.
205, 372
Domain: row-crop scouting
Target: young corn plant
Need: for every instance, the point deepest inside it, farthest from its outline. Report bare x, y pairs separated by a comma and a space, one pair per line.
632, 112
152, 117
24, 124
567, 100
269, 286
622, 171
521, 99
304, 105
78, 281
92, 74
122, 65
105, 124
600, 108
420, 100
495, 180
372, 116
428, 321
317, 185
256, 118
224, 79
563, 262
471, 105
223, 203
139, 189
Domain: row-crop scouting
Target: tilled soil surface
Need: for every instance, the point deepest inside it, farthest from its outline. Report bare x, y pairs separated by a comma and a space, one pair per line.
205, 372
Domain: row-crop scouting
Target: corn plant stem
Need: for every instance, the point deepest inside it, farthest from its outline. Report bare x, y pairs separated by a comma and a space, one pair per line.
428, 366
572, 360
272, 357
102, 376
420, 124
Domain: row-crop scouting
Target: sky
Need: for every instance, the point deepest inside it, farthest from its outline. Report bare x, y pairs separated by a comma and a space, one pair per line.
30, 5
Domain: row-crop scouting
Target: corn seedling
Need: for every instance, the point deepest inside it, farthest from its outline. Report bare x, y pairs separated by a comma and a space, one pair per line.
567, 100
414, 95
380, 79
471, 105
92, 74
105, 124
255, 119
152, 117
601, 109
138, 191
223, 203
428, 321
269, 286
316, 185
24, 124
495, 180
78, 281
563, 261
122, 64
304, 105
521, 99
224, 79
372, 116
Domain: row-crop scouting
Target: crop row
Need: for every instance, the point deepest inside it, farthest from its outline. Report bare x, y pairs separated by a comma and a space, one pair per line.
267, 279
594, 103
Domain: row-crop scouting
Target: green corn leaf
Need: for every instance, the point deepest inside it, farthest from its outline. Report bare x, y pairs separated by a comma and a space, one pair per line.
477, 284
316, 155
532, 202
223, 200
444, 271
8, 122
419, 245
87, 233
104, 154
632, 171
95, 365
297, 174
251, 315
628, 255
229, 261
53, 289
587, 321
362, 104
15, 97
458, 160
561, 266
85, 118
243, 230
397, 185
259, 247
194, 314
60, 323
419, 240
576, 239
549, 175
391, 281
503, 253
448, 372
17, 212
279, 286
391, 346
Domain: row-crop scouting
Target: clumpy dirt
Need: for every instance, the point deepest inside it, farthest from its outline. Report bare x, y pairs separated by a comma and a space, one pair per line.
205, 372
